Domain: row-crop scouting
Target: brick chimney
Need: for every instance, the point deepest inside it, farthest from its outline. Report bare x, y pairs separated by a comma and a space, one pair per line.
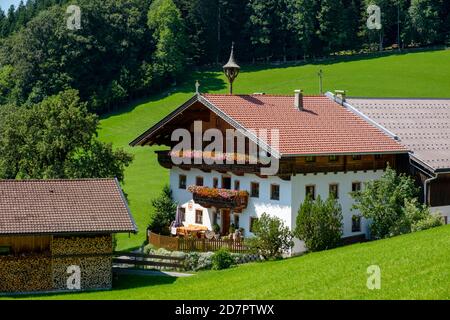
298, 99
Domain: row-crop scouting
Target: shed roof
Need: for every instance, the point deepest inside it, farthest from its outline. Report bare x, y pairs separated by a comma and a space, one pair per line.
63, 206
422, 125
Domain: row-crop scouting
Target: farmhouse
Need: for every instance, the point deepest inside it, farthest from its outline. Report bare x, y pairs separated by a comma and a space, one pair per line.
56, 235
323, 149
318, 145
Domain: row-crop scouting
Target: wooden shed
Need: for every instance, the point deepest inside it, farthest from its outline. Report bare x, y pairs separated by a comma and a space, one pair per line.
57, 235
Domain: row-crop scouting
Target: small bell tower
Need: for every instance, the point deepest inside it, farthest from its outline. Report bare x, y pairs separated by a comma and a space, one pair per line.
231, 69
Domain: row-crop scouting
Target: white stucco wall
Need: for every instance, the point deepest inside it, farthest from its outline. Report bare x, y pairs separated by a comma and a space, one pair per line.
292, 194
322, 182
444, 211
256, 206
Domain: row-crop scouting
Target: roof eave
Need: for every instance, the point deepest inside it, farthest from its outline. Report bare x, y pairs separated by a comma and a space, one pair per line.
142, 139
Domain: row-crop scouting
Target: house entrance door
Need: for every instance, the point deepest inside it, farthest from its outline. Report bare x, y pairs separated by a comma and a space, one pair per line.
225, 221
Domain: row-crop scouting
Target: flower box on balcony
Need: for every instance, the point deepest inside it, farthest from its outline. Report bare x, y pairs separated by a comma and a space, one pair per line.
219, 198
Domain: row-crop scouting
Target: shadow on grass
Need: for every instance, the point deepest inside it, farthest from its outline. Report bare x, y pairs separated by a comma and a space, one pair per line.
123, 282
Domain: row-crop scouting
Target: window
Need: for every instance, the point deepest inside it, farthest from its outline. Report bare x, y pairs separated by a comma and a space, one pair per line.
199, 181
237, 185
378, 156
183, 214
311, 191
254, 190
182, 181
214, 219
252, 223
199, 216
215, 183
356, 223
356, 186
334, 190
333, 158
274, 192
226, 183
236, 221
356, 157
310, 159
5, 250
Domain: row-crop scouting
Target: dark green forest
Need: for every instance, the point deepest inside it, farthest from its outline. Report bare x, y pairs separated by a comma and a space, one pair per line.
126, 49
131, 48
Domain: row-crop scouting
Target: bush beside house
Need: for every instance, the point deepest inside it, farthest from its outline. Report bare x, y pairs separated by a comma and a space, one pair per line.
165, 211
271, 237
319, 223
391, 205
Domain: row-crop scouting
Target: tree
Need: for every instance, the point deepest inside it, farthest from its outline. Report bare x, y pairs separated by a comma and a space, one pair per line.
165, 211
305, 25
391, 204
55, 138
319, 223
164, 19
271, 237
427, 18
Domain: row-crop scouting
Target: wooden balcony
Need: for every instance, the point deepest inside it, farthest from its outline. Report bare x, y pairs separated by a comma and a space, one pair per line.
219, 198
291, 165
165, 160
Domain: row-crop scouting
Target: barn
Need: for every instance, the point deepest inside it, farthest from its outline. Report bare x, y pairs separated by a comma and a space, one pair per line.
57, 235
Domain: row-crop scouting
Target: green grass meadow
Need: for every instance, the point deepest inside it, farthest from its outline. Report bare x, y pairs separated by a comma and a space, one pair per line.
423, 74
413, 266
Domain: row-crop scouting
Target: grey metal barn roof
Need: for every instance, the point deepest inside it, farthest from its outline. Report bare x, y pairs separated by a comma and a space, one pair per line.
422, 125
63, 207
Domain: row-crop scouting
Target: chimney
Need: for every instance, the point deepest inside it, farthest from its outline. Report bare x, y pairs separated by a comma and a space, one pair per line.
298, 100
340, 94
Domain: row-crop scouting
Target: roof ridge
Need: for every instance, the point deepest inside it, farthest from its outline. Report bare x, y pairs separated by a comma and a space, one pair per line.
57, 180
262, 95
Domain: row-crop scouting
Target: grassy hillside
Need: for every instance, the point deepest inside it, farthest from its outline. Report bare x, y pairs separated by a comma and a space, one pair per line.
409, 75
413, 266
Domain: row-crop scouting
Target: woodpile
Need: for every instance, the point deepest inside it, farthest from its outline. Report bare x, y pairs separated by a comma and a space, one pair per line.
46, 271
25, 273
66, 246
96, 272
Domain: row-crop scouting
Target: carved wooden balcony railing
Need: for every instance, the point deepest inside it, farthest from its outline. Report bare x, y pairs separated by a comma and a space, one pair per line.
219, 198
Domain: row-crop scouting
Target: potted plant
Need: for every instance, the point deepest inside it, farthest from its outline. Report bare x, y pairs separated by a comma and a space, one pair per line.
216, 228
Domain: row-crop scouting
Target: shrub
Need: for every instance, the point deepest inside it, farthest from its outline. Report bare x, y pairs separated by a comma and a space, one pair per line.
420, 218
319, 223
391, 205
272, 237
165, 210
222, 259
216, 228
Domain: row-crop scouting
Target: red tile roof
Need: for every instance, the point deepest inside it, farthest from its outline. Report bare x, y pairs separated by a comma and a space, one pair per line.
63, 206
323, 127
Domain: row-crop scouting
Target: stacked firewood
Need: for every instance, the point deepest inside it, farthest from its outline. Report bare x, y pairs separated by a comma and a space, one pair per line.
91, 254
95, 272
67, 246
25, 273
